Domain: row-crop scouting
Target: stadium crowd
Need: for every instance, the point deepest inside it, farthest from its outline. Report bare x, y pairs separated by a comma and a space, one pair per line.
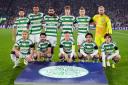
118, 12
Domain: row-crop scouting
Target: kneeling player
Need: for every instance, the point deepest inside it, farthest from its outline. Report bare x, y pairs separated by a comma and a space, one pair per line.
109, 51
23, 48
44, 48
88, 49
67, 48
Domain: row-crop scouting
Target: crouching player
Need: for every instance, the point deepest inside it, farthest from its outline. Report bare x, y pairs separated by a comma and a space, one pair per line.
109, 51
23, 48
44, 48
67, 48
88, 49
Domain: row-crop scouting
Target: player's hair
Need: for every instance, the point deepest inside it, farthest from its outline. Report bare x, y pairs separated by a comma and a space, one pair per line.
67, 7
36, 5
66, 32
82, 8
89, 34
107, 35
50, 7
25, 31
21, 9
101, 7
43, 34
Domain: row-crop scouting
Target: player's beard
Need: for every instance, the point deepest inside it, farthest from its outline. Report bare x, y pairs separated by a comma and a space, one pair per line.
51, 14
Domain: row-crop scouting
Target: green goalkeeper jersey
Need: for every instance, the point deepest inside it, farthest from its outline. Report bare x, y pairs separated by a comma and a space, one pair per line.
67, 45
51, 25
88, 48
21, 24
43, 45
35, 23
83, 24
109, 48
67, 24
24, 45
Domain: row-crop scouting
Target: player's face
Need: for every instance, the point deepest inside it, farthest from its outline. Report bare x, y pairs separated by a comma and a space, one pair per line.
24, 35
101, 10
35, 9
108, 39
89, 38
67, 36
51, 12
42, 37
21, 13
67, 11
82, 12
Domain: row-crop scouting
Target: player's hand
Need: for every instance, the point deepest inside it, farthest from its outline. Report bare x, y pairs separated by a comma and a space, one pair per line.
70, 60
66, 57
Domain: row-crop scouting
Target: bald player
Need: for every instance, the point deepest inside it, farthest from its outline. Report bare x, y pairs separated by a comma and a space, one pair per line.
103, 25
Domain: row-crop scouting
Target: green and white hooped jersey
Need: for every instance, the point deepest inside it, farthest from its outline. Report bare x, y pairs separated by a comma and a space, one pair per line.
51, 25
67, 24
43, 45
83, 24
35, 23
88, 48
24, 46
67, 45
21, 24
109, 48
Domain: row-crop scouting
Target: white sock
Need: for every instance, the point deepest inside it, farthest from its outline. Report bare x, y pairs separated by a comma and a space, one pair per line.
17, 62
108, 63
13, 57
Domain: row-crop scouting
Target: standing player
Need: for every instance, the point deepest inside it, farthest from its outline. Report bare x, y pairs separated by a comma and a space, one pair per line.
35, 24
82, 26
44, 48
20, 24
88, 49
103, 25
67, 22
23, 48
109, 51
51, 26
67, 48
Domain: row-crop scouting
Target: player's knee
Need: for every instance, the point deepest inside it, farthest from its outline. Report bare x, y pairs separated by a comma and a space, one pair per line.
116, 59
12, 52
80, 56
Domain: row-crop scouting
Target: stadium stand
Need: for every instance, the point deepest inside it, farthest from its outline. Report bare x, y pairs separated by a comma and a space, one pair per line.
117, 10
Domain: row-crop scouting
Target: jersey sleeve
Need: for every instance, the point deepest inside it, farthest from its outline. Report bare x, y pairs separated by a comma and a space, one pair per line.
102, 48
109, 26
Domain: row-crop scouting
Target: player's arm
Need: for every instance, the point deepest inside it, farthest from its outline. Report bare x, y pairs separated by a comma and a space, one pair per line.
82, 51
109, 26
116, 53
60, 22
32, 48
76, 24
49, 48
95, 51
62, 52
28, 24
14, 31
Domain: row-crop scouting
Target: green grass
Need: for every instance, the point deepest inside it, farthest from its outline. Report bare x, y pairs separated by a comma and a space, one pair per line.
117, 76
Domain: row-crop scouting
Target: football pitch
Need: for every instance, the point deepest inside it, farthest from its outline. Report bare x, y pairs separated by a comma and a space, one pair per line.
117, 76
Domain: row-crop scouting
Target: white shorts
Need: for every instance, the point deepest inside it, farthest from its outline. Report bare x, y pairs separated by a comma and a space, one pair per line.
52, 40
34, 37
18, 37
80, 39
